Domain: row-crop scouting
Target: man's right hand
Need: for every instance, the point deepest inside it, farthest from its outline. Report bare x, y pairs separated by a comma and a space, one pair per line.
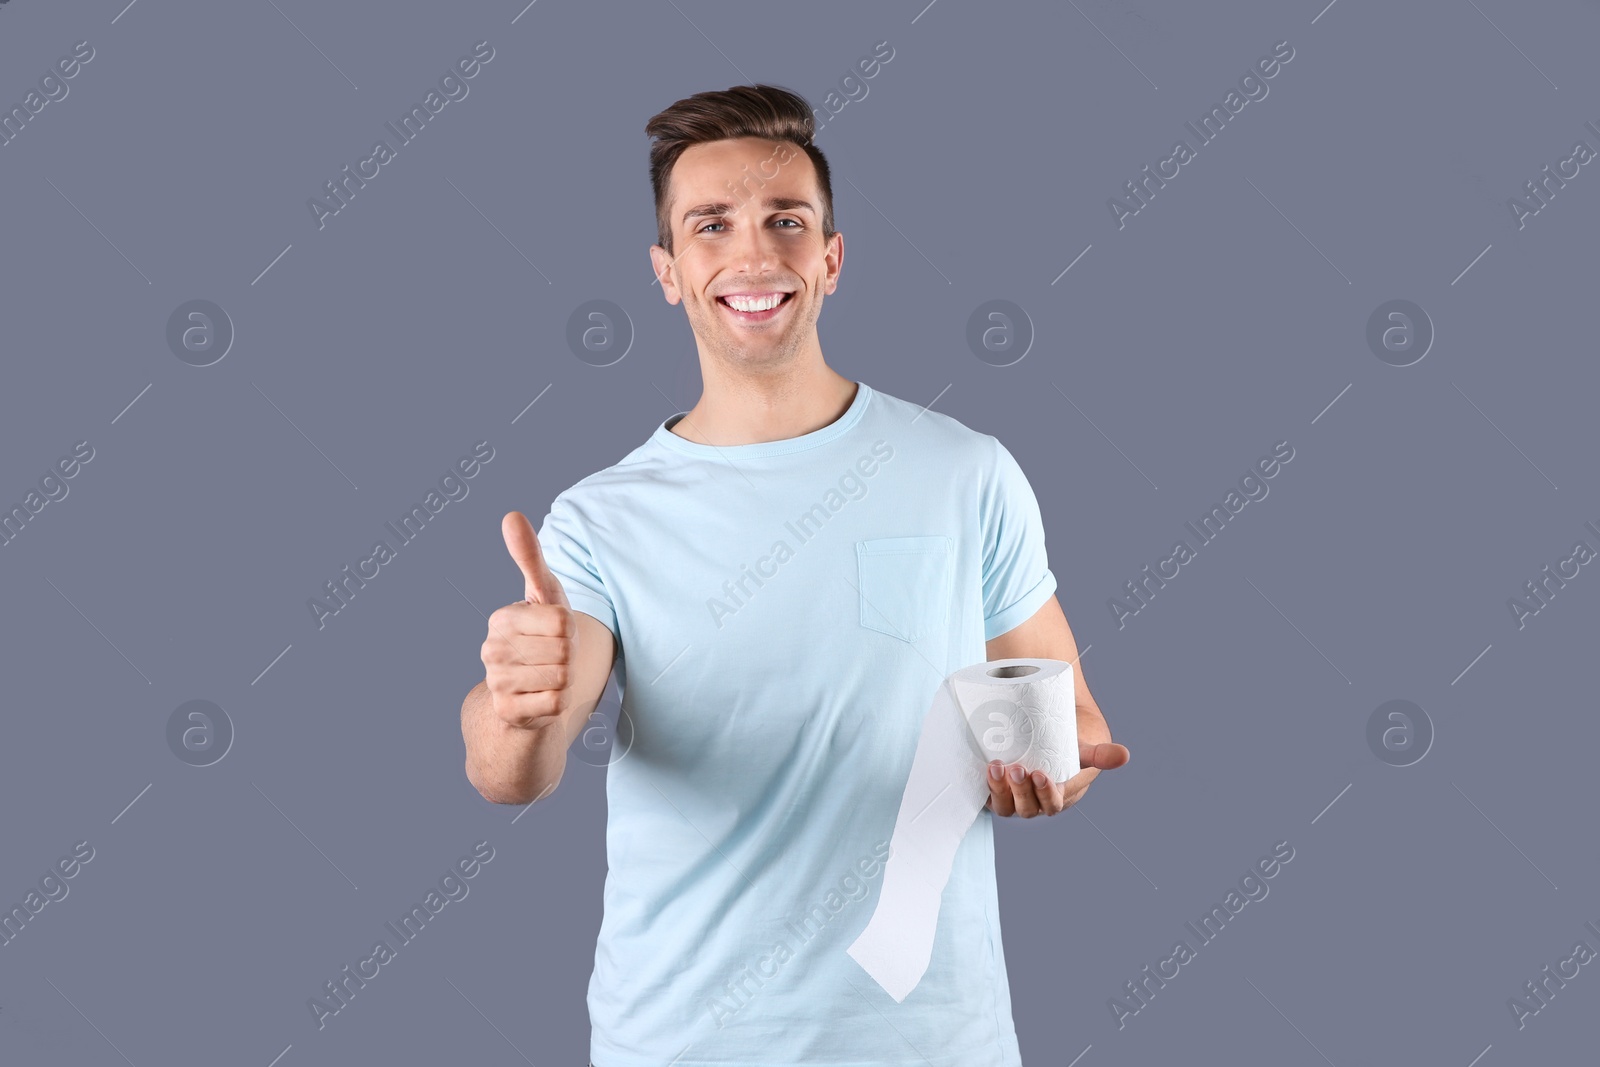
530, 650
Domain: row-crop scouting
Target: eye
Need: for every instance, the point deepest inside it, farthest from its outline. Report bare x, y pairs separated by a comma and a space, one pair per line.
797, 224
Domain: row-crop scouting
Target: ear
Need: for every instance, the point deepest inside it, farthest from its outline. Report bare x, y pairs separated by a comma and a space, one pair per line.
834, 257
661, 263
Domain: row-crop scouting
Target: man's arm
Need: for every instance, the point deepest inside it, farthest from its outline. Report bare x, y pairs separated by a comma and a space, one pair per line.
1047, 636
515, 764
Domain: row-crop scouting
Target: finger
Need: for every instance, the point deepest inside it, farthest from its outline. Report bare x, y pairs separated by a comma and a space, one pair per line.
535, 678
1078, 782
999, 791
529, 709
530, 620
523, 650
539, 584
1051, 800
1106, 756
1022, 795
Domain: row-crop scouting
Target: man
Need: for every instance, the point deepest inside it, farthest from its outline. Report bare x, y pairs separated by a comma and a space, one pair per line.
781, 577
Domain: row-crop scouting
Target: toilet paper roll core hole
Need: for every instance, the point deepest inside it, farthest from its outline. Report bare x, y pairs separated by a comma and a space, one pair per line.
1020, 670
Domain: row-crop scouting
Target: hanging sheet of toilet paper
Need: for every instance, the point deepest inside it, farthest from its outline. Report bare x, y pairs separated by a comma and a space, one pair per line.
1013, 710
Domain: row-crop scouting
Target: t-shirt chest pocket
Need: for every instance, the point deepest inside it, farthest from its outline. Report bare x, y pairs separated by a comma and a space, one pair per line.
905, 584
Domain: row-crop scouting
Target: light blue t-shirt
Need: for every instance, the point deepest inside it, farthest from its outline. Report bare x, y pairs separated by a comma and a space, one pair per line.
784, 612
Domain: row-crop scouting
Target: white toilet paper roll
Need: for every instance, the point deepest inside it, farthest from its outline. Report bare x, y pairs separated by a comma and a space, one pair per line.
1014, 710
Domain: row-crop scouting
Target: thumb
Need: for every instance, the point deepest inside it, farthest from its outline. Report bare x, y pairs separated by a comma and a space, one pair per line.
540, 585
1106, 756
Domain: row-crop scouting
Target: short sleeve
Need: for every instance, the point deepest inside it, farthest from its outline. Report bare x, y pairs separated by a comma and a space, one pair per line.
565, 542
1016, 573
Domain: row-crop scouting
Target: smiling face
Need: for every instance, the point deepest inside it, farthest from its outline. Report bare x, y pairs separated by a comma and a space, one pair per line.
749, 261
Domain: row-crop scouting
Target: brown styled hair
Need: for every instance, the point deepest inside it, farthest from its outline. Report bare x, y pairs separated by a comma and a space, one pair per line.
766, 111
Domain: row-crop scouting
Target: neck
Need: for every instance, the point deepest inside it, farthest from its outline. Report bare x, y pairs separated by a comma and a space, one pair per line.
773, 406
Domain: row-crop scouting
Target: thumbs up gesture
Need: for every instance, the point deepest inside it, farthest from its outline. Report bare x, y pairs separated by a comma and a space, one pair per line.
539, 584
531, 646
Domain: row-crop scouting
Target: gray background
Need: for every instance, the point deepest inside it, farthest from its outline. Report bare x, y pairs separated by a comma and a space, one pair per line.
1226, 316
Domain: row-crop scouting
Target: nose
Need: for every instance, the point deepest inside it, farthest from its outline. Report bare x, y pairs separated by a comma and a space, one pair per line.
754, 249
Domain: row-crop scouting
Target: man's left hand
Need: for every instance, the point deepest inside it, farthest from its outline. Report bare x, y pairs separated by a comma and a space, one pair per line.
1015, 790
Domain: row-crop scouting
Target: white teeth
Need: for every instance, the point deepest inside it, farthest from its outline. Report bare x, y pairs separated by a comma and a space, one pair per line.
744, 303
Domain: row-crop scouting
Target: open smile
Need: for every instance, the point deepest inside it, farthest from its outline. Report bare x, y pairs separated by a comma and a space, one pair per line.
755, 307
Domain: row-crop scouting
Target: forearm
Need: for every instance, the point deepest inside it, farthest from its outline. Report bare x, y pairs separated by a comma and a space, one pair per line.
509, 764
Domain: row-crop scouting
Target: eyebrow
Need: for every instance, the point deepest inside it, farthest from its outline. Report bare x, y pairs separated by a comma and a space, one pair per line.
776, 203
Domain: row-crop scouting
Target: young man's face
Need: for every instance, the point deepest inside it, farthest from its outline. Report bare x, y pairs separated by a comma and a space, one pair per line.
746, 218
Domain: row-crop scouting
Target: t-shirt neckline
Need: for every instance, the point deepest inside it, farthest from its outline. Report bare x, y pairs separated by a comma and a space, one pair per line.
834, 429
